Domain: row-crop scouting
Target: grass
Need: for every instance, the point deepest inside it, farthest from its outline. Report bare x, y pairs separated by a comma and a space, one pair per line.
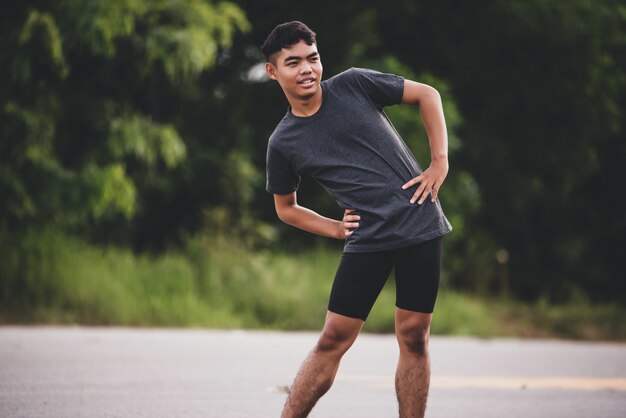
49, 278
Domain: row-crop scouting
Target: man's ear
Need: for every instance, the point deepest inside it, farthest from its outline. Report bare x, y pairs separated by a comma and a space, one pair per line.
270, 70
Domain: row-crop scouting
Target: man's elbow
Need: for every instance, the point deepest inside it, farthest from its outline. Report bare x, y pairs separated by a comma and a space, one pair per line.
418, 93
431, 93
430, 98
284, 205
285, 214
281, 215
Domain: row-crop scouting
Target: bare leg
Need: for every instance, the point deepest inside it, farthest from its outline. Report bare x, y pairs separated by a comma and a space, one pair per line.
413, 373
317, 373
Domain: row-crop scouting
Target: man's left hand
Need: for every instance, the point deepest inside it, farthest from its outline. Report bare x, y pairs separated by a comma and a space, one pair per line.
430, 181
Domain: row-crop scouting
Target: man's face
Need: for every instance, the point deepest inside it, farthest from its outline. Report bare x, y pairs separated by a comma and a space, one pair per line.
298, 70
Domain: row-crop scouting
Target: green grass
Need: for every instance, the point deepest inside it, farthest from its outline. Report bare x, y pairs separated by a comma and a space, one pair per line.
49, 278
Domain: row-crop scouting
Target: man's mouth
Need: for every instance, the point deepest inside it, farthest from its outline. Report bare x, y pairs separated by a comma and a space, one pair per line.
307, 82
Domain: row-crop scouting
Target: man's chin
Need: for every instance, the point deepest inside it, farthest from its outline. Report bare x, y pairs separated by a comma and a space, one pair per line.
305, 94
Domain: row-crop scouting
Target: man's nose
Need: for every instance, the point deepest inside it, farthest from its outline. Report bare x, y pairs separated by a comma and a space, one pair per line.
306, 68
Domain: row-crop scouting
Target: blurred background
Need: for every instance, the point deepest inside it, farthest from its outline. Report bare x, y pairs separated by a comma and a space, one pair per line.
132, 162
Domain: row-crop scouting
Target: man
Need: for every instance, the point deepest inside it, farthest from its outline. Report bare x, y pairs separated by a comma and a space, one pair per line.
336, 132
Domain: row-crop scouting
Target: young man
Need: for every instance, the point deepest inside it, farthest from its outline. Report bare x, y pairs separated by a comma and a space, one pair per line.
336, 132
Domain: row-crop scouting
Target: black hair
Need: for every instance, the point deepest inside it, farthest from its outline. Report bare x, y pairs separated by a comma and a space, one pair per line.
285, 35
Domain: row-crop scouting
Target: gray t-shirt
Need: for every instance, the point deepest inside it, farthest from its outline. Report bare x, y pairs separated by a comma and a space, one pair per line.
353, 151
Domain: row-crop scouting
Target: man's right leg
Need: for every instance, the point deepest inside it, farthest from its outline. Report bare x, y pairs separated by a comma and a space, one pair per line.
359, 279
317, 373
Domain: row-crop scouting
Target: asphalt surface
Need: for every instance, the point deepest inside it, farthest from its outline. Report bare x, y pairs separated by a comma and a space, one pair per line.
126, 372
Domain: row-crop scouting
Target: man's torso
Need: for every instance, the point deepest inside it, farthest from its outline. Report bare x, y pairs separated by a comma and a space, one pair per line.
352, 150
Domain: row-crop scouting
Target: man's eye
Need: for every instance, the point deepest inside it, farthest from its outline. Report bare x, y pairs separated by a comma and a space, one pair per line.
314, 59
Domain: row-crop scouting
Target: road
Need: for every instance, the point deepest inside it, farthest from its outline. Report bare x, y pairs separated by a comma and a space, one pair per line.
127, 372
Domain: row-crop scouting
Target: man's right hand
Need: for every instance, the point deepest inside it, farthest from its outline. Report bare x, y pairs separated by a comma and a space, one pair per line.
349, 223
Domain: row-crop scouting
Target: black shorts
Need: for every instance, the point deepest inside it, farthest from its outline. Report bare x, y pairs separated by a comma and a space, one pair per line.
361, 276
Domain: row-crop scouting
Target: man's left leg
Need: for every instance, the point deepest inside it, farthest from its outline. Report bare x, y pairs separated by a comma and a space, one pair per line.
418, 269
413, 372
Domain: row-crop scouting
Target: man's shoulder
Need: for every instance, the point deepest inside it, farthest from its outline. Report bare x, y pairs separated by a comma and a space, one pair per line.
353, 77
345, 84
345, 76
352, 73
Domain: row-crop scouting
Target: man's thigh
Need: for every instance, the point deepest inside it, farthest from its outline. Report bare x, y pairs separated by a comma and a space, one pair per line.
360, 278
417, 272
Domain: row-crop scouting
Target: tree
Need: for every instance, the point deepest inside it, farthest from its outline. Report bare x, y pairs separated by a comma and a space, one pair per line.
541, 88
89, 118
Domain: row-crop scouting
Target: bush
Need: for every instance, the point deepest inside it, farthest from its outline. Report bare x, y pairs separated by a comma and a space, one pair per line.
48, 277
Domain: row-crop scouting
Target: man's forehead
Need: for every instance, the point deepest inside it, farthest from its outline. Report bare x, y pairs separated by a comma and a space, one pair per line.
301, 49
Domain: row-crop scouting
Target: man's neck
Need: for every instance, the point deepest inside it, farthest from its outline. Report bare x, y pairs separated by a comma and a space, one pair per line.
306, 107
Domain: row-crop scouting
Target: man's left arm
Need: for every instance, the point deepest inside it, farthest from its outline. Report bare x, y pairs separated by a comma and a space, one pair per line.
431, 111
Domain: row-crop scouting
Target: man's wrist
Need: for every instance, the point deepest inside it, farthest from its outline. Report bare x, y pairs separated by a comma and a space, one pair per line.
339, 230
439, 157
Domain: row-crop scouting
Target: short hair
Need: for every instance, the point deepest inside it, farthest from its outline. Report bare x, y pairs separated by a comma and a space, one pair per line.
286, 35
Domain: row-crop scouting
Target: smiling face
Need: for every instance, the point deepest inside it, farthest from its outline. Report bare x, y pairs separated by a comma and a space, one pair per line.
298, 70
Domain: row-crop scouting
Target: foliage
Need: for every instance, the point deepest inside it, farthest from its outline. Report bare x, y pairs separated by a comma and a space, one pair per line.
81, 142
541, 88
50, 278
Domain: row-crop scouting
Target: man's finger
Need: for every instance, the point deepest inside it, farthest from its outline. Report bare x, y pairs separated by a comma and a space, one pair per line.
427, 191
436, 187
418, 193
412, 182
435, 192
434, 196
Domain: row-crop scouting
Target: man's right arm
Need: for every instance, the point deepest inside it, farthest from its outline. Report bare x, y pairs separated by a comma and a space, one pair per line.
293, 214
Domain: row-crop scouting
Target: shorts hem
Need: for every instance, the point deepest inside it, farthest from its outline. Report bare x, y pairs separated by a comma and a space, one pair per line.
417, 309
335, 311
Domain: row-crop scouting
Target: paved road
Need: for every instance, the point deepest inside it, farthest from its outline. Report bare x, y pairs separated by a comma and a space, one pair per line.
124, 372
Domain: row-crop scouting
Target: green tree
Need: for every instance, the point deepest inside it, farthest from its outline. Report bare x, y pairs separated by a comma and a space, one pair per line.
541, 87
88, 118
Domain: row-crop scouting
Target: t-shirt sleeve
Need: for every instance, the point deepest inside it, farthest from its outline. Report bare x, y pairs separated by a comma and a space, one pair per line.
382, 88
281, 177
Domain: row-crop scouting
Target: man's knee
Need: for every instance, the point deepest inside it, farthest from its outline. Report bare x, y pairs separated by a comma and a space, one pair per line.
413, 336
335, 339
